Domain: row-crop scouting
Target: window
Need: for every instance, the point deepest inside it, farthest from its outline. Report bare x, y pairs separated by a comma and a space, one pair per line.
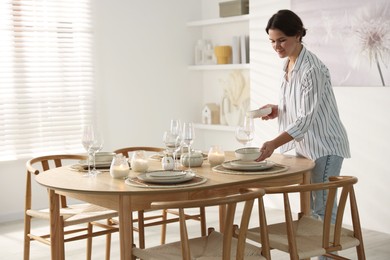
46, 76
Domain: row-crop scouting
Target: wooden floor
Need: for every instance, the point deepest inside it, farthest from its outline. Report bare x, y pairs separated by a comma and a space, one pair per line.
377, 245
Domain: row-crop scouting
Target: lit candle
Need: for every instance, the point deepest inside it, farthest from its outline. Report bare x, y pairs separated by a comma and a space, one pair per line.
216, 156
119, 171
139, 165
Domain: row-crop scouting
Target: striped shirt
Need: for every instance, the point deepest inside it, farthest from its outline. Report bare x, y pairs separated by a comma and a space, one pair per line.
308, 110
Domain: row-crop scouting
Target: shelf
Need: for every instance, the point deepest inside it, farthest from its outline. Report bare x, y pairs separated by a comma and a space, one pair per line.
220, 67
216, 21
225, 128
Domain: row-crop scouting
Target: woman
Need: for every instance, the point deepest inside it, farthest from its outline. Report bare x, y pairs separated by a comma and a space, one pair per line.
307, 111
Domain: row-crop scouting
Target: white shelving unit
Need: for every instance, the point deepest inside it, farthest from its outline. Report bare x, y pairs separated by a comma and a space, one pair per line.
216, 21
211, 28
220, 67
215, 127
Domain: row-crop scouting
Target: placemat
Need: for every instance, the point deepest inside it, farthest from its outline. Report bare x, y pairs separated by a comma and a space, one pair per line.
134, 181
84, 168
159, 156
275, 169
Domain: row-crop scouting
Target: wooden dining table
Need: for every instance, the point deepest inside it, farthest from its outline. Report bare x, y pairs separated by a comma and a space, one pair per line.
116, 194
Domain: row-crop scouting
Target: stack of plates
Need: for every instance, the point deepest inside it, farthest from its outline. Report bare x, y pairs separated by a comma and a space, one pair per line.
102, 160
168, 177
239, 165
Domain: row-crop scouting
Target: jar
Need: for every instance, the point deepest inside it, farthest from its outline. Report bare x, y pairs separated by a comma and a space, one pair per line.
195, 159
199, 52
119, 167
216, 155
139, 162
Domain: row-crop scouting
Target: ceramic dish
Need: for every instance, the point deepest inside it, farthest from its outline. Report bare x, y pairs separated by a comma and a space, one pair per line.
175, 179
248, 163
166, 174
232, 165
248, 153
259, 112
98, 164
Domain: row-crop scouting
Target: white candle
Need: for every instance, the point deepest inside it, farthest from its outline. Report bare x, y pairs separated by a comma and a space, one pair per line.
139, 165
119, 171
216, 158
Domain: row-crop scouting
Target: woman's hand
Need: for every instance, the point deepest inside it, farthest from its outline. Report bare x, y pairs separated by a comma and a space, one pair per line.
273, 114
269, 147
266, 150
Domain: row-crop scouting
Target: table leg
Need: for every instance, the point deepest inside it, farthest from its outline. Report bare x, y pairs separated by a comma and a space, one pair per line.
222, 217
125, 227
56, 228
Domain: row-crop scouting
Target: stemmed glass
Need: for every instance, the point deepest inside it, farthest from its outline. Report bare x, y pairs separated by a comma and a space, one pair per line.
175, 130
188, 136
245, 132
92, 141
171, 141
175, 127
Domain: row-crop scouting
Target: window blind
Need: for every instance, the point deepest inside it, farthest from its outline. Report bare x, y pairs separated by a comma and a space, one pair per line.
46, 76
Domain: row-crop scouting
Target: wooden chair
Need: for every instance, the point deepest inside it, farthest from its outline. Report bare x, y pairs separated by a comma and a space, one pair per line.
72, 216
308, 237
215, 245
158, 219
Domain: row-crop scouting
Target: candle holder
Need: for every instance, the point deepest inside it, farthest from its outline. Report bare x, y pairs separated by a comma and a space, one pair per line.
119, 167
216, 155
139, 161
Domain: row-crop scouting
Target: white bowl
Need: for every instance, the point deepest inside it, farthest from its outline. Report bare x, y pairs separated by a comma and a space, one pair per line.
248, 153
103, 157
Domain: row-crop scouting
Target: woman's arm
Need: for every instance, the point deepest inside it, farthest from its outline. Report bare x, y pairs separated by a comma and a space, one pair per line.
269, 147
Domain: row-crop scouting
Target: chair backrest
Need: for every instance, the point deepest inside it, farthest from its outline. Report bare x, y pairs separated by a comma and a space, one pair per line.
43, 163
125, 151
247, 196
331, 232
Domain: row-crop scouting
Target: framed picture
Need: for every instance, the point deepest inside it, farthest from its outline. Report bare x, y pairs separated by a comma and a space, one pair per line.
352, 37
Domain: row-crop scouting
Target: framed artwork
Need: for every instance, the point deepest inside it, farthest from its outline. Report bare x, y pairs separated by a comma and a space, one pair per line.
352, 37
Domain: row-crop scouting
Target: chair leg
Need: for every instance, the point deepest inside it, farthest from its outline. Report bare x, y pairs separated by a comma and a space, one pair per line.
202, 220
141, 229
27, 240
89, 242
164, 226
108, 241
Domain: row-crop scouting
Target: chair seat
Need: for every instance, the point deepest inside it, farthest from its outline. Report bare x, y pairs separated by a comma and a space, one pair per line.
77, 213
202, 248
308, 237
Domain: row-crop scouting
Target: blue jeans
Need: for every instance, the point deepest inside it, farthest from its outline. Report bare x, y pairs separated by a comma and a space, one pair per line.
325, 167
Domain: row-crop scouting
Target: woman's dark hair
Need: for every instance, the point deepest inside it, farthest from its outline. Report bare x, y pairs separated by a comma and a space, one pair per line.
288, 22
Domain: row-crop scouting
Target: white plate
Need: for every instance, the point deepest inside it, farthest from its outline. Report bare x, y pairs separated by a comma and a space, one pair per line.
176, 179
98, 164
165, 174
248, 163
259, 112
232, 165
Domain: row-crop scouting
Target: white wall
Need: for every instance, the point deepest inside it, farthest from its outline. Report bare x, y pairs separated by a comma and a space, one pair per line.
143, 49
142, 52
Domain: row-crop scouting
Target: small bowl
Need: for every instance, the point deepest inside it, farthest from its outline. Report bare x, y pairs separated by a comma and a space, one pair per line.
248, 153
103, 157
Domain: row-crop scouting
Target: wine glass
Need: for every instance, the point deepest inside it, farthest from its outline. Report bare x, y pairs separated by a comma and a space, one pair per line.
92, 141
171, 141
175, 129
87, 140
175, 126
245, 132
188, 136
